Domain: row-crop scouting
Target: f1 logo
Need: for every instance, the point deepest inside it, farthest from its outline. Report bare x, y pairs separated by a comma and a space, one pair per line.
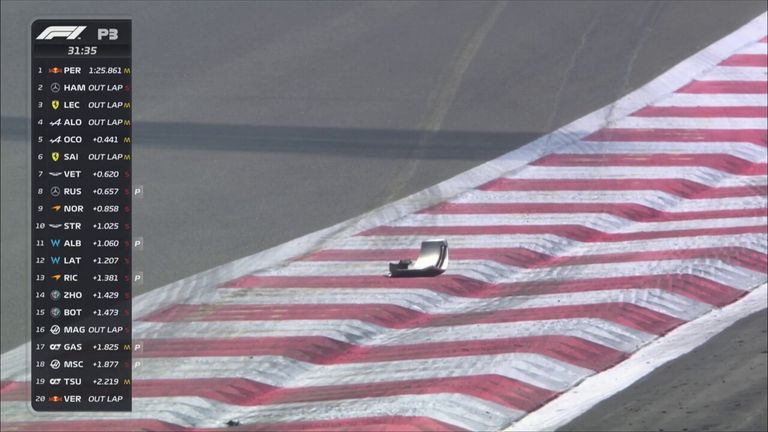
111, 33
69, 32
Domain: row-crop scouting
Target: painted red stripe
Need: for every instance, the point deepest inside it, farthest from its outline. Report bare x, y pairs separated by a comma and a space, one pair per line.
754, 136
703, 111
756, 60
695, 287
526, 258
325, 351
303, 348
14, 391
679, 187
634, 212
238, 391
721, 162
729, 87
398, 317
362, 424
755, 170
575, 232
388, 315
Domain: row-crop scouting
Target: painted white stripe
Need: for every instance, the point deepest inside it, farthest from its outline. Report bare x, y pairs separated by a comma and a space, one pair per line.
552, 244
703, 175
735, 73
493, 272
15, 364
654, 199
599, 331
691, 224
703, 99
535, 369
747, 151
601, 222
689, 123
755, 48
463, 411
432, 302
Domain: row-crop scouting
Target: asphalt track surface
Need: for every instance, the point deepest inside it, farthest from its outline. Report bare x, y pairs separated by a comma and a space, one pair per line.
256, 123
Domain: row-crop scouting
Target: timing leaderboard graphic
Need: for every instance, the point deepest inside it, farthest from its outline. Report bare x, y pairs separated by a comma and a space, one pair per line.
81, 215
